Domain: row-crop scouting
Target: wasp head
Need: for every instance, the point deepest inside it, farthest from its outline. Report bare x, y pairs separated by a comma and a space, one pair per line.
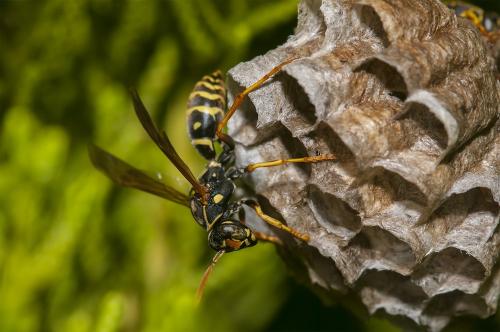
230, 235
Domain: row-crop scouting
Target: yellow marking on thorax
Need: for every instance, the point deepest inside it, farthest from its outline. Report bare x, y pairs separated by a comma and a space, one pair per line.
203, 141
196, 125
213, 111
207, 95
218, 198
210, 86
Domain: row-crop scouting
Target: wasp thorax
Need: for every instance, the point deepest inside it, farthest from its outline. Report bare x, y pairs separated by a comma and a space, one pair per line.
231, 235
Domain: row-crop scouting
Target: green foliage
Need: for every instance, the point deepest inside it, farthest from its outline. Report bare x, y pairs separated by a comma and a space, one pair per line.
76, 252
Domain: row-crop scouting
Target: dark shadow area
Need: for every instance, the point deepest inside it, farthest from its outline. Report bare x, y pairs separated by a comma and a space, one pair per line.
328, 141
295, 149
475, 200
481, 134
455, 303
270, 210
390, 78
450, 261
370, 18
397, 188
392, 284
304, 312
295, 93
333, 212
379, 244
419, 116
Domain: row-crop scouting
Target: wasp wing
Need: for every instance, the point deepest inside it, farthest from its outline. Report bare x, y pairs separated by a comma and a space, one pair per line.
162, 141
126, 175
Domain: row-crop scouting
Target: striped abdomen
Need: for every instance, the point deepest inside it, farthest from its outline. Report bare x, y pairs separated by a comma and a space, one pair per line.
206, 107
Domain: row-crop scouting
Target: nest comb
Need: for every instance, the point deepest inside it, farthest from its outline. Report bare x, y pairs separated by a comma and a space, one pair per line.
405, 94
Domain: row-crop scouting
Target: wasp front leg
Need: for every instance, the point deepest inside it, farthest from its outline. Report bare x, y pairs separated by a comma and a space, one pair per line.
226, 157
235, 173
232, 210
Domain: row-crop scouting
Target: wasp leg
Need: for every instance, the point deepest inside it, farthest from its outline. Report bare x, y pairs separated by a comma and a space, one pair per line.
227, 155
259, 235
239, 99
267, 238
274, 222
252, 167
232, 209
235, 173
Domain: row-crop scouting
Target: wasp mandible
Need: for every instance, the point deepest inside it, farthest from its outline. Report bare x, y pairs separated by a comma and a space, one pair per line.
211, 197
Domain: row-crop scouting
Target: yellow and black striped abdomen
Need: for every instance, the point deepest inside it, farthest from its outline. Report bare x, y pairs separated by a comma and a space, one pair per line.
206, 107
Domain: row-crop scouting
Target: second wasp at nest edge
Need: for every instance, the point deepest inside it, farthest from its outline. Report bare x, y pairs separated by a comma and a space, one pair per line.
211, 197
487, 22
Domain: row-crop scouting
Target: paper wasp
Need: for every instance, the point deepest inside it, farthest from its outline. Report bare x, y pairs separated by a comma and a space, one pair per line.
487, 22
210, 198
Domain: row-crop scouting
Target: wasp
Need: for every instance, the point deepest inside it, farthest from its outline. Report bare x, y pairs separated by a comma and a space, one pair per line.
211, 197
487, 22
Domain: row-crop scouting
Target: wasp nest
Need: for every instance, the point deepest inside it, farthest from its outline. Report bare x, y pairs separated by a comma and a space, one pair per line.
405, 95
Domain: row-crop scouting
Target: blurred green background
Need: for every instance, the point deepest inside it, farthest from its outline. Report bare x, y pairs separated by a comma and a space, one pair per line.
80, 254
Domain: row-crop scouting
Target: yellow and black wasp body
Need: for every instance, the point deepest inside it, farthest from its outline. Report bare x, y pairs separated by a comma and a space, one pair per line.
205, 110
211, 198
217, 216
487, 22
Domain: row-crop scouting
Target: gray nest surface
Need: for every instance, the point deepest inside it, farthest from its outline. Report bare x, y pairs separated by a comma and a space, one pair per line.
405, 95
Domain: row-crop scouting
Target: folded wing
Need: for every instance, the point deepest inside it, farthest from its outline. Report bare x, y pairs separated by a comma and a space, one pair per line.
126, 175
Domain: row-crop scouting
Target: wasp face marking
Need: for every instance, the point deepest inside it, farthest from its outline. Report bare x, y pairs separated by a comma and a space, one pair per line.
230, 235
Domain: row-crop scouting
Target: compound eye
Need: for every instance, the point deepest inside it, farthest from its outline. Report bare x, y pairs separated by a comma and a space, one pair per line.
233, 231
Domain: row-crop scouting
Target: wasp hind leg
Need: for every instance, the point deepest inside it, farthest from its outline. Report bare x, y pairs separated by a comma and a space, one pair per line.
274, 222
238, 100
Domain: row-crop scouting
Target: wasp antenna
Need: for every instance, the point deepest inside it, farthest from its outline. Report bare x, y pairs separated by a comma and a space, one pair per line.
208, 271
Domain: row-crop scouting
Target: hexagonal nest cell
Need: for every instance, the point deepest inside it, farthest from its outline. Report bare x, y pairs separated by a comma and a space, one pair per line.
406, 95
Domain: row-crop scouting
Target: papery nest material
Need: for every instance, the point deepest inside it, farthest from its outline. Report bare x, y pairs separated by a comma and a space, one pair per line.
405, 94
